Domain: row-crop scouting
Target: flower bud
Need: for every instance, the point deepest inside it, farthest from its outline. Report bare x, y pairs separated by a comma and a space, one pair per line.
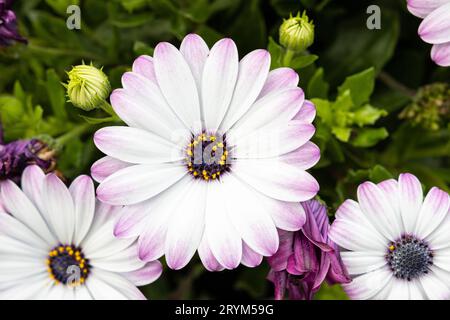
297, 33
430, 108
88, 87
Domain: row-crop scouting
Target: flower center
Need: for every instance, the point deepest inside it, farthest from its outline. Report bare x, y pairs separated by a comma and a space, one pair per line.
206, 157
409, 258
67, 265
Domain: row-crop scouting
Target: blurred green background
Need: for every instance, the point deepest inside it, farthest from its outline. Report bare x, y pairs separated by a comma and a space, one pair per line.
360, 141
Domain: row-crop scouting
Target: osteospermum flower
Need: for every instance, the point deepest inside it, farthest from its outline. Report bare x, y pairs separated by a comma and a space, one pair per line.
306, 257
17, 155
398, 242
58, 243
435, 28
8, 24
214, 157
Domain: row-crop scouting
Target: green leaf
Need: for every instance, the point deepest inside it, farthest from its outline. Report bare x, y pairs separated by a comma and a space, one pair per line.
379, 173
92, 120
361, 86
342, 134
303, 61
368, 137
323, 109
367, 115
276, 53
317, 86
344, 102
56, 94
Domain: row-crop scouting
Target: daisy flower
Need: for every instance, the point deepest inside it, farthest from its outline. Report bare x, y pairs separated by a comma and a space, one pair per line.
397, 242
435, 28
306, 257
58, 243
214, 155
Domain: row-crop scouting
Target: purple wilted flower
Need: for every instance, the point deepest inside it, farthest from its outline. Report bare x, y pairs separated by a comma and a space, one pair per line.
8, 24
17, 155
307, 257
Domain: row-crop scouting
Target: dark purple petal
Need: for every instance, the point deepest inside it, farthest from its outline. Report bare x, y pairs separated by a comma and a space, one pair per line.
279, 260
8, 25
279, 280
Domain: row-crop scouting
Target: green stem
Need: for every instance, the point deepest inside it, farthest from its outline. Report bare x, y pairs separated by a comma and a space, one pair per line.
74, 133
105, 106
288, 57
392, 83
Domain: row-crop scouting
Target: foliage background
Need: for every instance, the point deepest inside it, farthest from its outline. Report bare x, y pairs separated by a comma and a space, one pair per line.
358, 126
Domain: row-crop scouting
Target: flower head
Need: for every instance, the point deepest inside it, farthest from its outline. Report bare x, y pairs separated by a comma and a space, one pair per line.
306, 257
17, 155
435, 28
297, 33
430, 108
88, 87
396, 241
8, 24
58, 243
214, 156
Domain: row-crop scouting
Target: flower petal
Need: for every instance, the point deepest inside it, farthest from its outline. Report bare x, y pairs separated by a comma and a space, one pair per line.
195, 51
186, 226
138, 183
359, 262
250, 217
277, 179
304, 157
250, 258
132, 220
18, 205
440, 53
435, 28
135, 145
177, 84
307, 112
422, 8
278, 80
411, 197
104, 285
206, 256
83, 194
435, 208
369, 284
145, 275
223, 238
143, 65
106, 166
253, 71
434, 286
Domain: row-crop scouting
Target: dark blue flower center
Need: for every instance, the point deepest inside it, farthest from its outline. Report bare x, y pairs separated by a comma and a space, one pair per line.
409, 258
67, 265
206, 157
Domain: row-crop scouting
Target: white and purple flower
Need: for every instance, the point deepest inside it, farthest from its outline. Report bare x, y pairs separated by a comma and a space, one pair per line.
58, 243
396, 242
307, 257
435, 28
214, 157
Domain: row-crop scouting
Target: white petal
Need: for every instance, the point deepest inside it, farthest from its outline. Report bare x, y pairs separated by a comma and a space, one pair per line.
411, 197
17, 204
253, 72
435, 28
125, 260
353, 231
104, 285
276, 179
106, 166
60, 210
278, 80
249, 216
440, 54
206, 256
422, 8
435, 208
379, 211
83, 194
32, 183
368, 285
434, 286
186, 226
177, 84
359, 262
138, 183
223, 238
143, 65
132, 220
145, 275
195, 51
136, 145
276, 108
250, 258
274, 141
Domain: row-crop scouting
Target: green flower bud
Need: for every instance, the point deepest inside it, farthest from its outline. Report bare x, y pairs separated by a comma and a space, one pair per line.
430, 108
297, 33
88, 87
